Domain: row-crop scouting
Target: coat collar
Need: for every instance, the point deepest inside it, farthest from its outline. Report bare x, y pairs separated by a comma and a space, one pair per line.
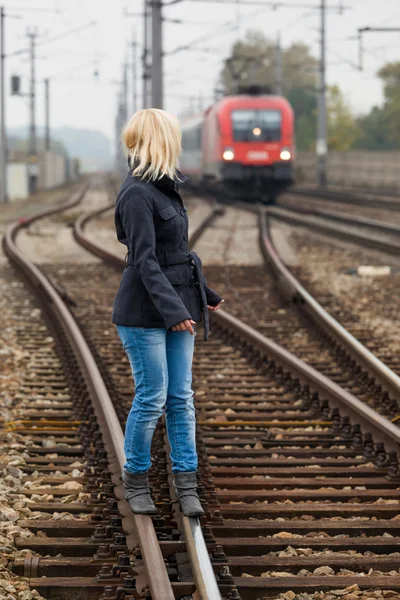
165, 183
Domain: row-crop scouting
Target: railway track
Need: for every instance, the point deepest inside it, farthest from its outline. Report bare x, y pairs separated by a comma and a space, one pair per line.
379, 235
216, 412
315, 205
366, 198
295, 319
300, 477
90, 554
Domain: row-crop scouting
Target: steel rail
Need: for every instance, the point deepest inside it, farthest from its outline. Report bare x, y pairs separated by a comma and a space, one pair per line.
303, 220
112, 258
350, 406
202, 569
293, 289
107, 256
347, 198
203, 572
386, 377
348, 219
216, 211
382, 429
158, 580
383, 374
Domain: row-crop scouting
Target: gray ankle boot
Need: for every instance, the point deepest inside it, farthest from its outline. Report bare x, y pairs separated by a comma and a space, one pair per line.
137, 493
185, 485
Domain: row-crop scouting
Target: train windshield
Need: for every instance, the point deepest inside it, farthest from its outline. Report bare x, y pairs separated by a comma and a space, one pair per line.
256, 125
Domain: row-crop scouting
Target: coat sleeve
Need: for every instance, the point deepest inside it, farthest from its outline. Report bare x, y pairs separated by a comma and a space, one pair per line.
212, 297
137, 219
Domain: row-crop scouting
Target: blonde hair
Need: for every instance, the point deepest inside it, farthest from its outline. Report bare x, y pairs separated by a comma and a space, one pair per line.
152, 138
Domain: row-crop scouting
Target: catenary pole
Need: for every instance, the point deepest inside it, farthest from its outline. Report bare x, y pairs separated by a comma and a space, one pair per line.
157, 55
3, 133
32, 97
145, 55
322, 146
134, 73
47, 113
125, 92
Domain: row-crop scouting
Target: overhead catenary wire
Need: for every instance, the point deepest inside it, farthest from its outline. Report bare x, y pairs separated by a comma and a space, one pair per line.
362, 30
267, 3
18, 9
171, 77
53, 39
215, 32
231, 25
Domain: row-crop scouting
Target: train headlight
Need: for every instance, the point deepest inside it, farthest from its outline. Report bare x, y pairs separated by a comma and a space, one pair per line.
228, 154
285, 154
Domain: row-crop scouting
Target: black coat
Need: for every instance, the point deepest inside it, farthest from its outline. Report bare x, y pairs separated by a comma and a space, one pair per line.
159, 286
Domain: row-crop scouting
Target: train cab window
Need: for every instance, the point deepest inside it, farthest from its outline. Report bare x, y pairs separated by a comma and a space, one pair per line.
259, 125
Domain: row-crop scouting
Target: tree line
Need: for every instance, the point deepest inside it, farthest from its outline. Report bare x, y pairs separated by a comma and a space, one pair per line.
255, 61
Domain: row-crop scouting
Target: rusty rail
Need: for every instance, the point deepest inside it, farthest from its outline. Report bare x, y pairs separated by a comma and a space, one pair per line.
216, 211
109, 257
203, 573
293, 289
355, 197
348, 219
386, 377
158, 580
113, 259
349, 405
383, 429
305, 220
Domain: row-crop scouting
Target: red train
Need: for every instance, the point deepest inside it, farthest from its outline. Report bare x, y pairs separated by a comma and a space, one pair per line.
243, 144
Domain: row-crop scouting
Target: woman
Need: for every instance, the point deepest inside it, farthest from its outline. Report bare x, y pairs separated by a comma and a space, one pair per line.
159, 301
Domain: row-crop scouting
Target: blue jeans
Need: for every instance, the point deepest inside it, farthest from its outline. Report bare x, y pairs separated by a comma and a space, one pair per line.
161, 363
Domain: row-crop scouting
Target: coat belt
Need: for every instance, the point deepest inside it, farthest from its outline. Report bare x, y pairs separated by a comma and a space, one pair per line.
169, 259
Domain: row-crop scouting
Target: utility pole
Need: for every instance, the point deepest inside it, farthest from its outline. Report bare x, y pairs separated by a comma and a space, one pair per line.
120, 122
278, 67
145, 55
134, 74
47, 113
32, 96
3, 133
322, 146
157, 55
125, 93
32, 165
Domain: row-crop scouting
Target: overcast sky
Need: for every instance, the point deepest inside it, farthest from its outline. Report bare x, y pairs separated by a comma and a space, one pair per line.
79, 100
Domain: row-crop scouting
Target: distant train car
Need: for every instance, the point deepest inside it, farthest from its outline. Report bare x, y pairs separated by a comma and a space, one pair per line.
242, 144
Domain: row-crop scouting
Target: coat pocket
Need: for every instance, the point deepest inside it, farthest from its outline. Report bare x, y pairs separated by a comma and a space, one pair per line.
174, 277
167, 213
179, 282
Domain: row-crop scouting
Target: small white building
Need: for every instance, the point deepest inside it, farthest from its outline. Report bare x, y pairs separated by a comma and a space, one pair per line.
24, 175
17, 181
